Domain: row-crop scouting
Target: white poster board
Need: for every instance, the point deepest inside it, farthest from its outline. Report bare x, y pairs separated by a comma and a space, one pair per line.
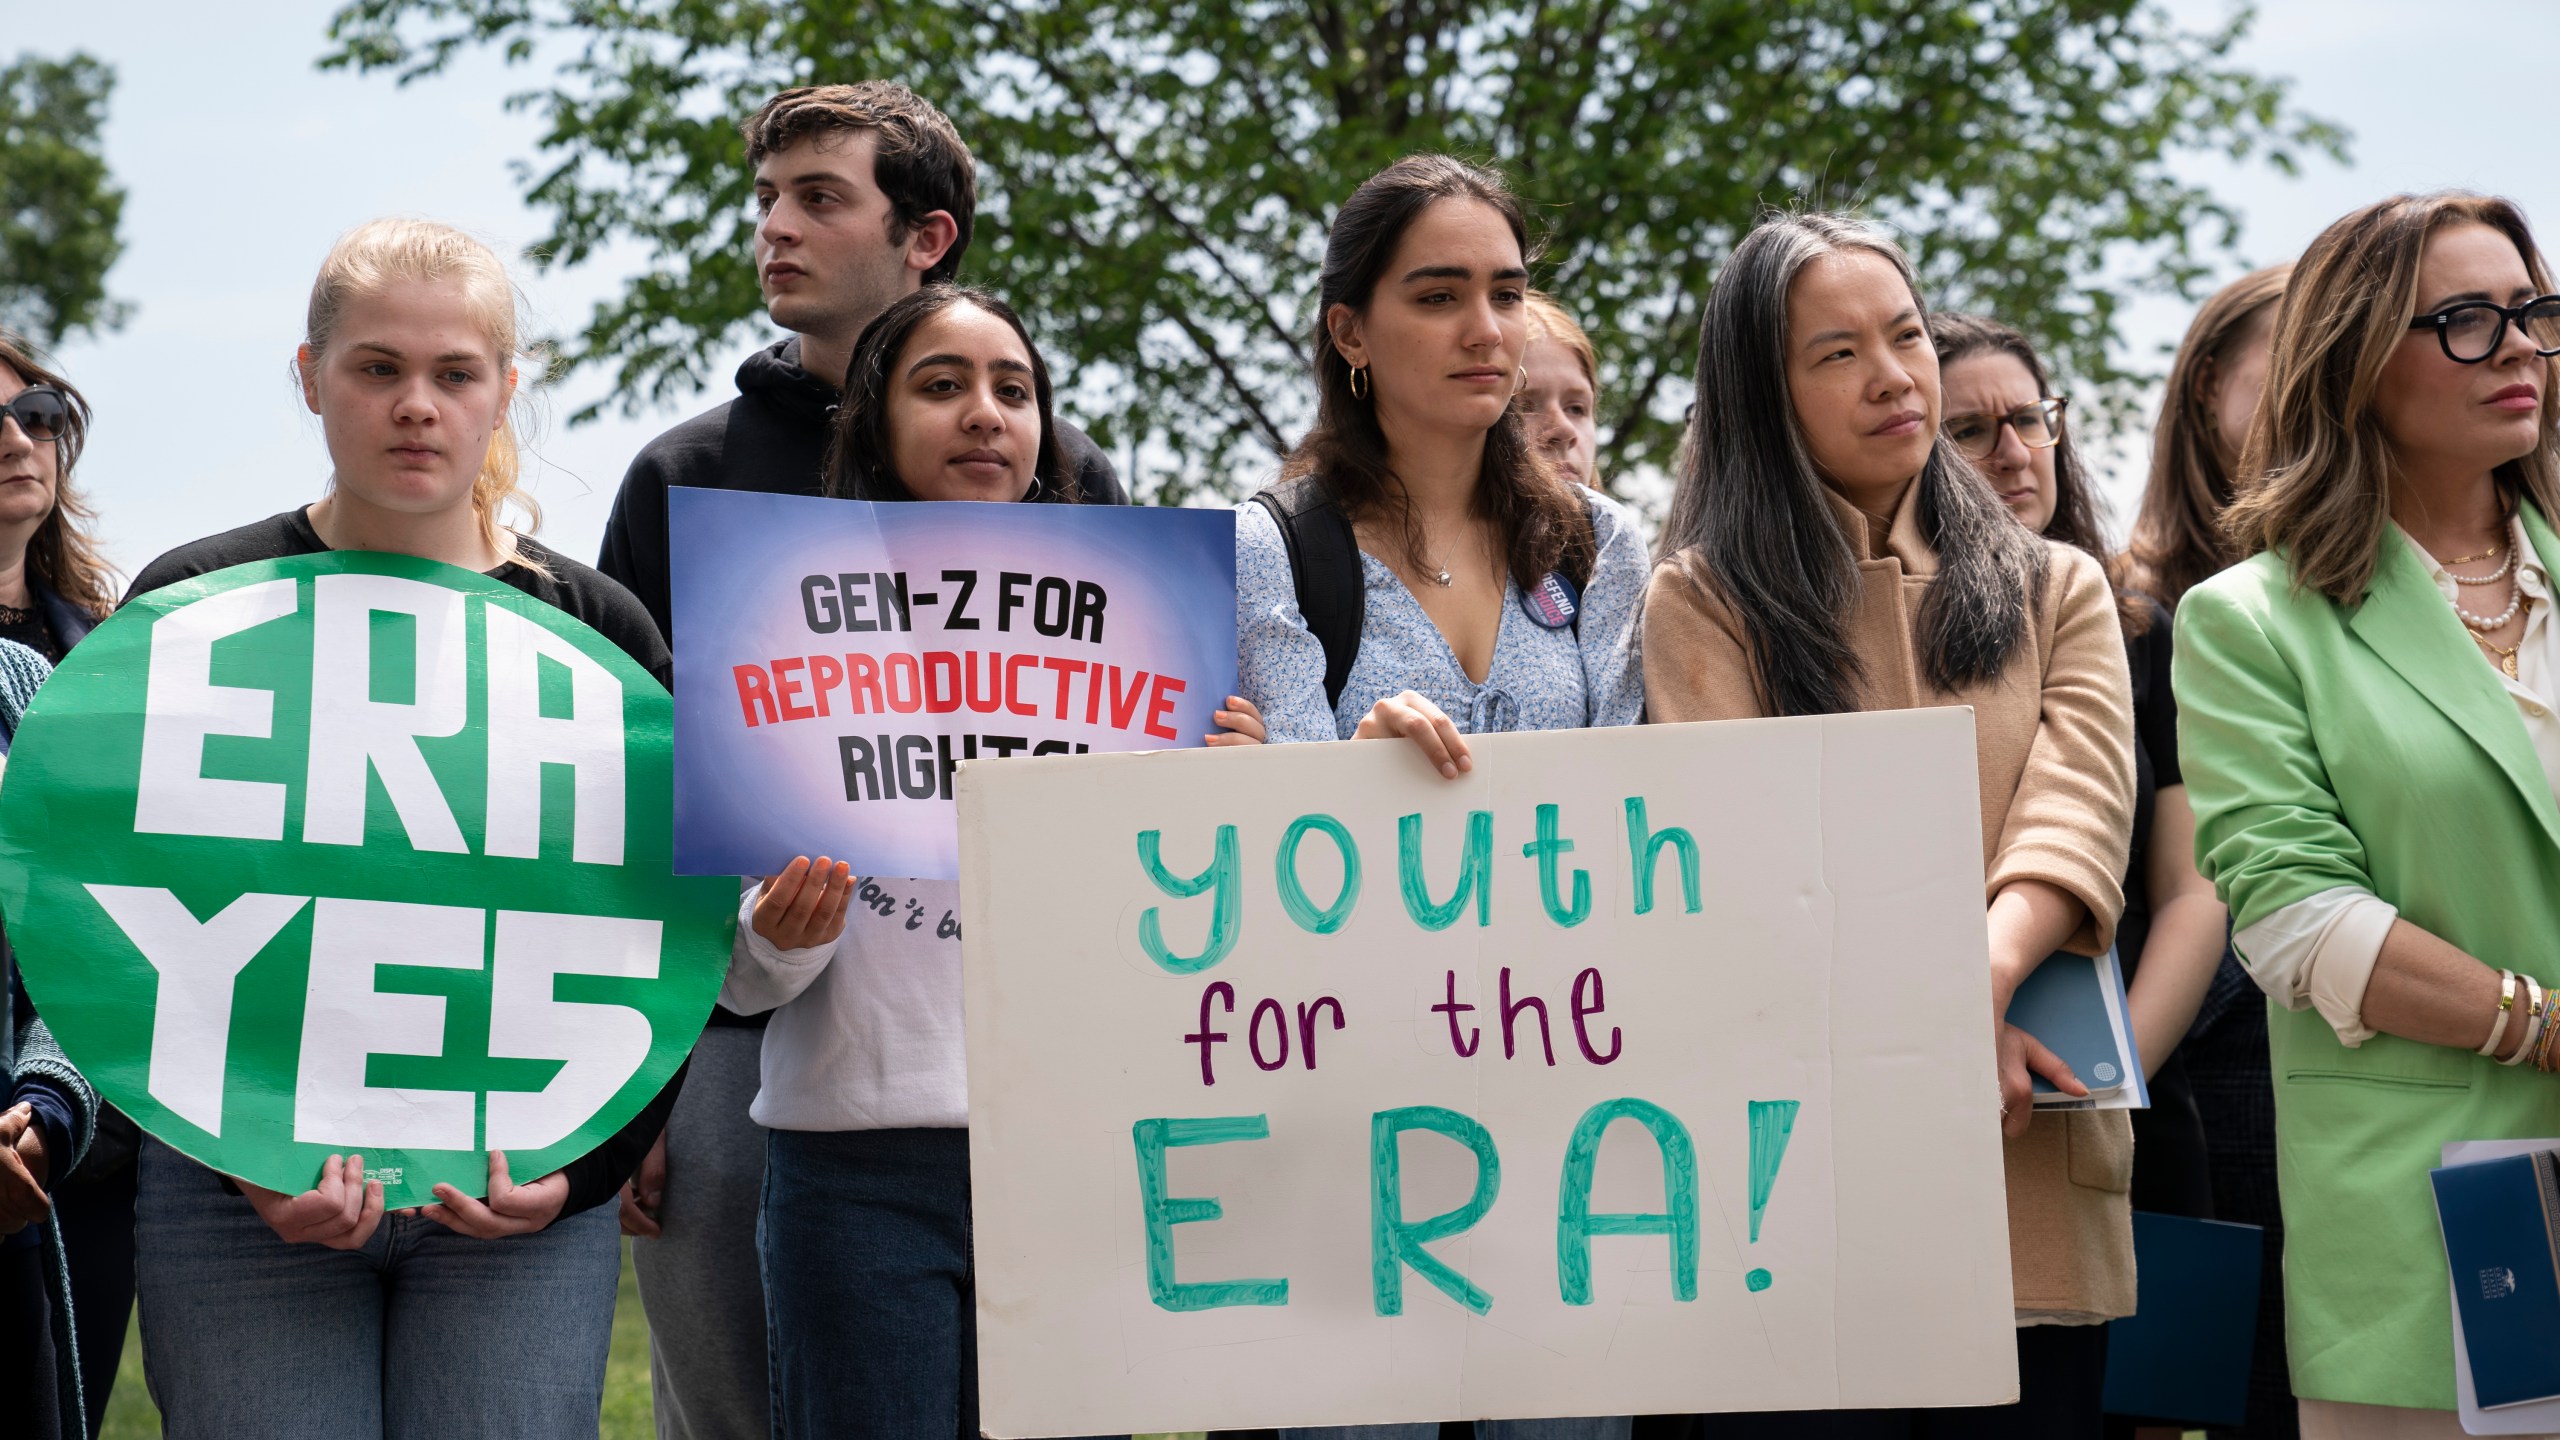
1269, 1248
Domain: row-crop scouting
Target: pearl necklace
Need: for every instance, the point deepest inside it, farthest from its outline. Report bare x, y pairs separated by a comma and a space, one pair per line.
2485, 623
2492, 578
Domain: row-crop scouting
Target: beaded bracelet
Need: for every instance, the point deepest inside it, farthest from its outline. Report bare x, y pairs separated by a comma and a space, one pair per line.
2506, 1005
2547, 1055
2536, 1021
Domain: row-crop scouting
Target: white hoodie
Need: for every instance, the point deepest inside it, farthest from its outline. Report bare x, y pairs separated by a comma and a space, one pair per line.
866, 1033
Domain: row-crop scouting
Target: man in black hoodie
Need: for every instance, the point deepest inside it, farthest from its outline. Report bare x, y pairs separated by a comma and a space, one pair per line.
865, 193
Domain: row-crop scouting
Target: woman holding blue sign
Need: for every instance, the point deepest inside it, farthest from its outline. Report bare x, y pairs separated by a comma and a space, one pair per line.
1830, 551
1421, 570
864, 1239
317, 1314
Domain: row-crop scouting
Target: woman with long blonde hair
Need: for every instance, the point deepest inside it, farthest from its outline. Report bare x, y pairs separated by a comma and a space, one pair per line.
2365, 710
316, 1314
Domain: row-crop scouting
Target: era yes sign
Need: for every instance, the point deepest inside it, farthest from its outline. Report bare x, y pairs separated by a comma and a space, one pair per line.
358, 852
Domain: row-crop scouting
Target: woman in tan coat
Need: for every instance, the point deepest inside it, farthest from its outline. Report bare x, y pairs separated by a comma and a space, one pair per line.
1829, 552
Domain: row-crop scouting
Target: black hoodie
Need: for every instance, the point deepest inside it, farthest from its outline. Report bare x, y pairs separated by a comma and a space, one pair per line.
773, 439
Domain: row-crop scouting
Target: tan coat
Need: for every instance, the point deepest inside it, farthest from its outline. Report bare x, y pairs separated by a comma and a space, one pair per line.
2054, 738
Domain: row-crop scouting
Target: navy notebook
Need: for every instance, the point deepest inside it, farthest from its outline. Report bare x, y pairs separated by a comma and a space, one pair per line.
2501, 1222
2183, 1355
2075, 1005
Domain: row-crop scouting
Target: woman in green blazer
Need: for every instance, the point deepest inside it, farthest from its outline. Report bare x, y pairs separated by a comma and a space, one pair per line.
2366, 724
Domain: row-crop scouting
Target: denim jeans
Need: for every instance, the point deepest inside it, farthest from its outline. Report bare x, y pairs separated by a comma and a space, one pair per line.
870, 1300
420, 1335
707, 1374
1610, 1428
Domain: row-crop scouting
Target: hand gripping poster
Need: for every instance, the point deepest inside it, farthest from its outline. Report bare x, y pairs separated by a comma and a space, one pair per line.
837, 660
358, 853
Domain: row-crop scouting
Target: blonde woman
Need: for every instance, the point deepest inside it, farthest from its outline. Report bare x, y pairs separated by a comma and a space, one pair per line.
315, 1314
1560, 403
2365, 715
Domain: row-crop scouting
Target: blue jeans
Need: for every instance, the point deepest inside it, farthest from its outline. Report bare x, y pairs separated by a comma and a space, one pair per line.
870, 1300
420, 1335
1614, 1428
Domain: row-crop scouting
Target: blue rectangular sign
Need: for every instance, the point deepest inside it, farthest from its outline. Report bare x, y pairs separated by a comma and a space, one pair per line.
835, 660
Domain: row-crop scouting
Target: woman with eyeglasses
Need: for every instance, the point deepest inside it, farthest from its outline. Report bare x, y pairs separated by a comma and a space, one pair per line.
2002, 414
2365, 716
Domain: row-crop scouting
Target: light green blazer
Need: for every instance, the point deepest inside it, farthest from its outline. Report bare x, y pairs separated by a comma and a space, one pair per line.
2326, 745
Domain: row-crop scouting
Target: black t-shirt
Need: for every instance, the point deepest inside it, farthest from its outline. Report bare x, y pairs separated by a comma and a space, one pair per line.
576, 589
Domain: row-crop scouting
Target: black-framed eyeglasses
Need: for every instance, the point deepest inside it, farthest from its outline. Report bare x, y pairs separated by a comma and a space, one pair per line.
40, 410
2473, 330
2039, 427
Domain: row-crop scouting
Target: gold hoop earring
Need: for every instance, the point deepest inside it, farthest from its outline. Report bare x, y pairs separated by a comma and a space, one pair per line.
1359, 382
1520, 381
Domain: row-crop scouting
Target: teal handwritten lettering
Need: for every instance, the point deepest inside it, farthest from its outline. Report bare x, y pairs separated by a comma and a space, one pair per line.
1163, 1212
1395, 1242
1575, 1224
1547, 850
1293, 896
1642, 846
1226, 914
1475, 873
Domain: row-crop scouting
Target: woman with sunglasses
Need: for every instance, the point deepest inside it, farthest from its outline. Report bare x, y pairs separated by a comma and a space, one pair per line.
2365, 716
2002, 414
54, 588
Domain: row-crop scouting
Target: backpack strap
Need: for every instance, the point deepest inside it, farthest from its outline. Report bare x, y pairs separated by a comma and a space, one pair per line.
1324, 559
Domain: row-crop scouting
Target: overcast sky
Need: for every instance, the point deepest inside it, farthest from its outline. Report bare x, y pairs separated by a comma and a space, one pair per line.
243, 162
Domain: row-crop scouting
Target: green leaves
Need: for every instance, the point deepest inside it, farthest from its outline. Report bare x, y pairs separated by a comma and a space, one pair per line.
1156, 175
58, 207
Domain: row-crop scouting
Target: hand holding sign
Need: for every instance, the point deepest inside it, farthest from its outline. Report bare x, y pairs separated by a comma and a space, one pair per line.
22, 1170
512, 1209
339, 1212
805, 904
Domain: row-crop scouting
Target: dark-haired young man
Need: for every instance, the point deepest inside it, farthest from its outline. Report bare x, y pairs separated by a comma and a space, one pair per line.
866, 193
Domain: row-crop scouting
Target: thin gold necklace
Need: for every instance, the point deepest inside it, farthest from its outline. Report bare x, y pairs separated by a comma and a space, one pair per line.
2506, 654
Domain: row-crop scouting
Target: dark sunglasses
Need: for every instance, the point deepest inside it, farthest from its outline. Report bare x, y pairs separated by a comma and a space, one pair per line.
2472, 331
40, 410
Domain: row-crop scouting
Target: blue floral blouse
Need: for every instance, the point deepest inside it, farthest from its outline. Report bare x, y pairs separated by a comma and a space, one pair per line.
1540, 679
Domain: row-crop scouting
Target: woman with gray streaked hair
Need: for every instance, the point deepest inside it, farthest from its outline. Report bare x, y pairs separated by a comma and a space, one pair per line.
1829, 550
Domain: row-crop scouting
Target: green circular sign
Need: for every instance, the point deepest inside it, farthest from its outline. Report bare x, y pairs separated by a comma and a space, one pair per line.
358, 852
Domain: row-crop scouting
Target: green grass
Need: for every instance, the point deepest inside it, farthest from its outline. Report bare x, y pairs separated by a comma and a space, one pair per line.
627, 1411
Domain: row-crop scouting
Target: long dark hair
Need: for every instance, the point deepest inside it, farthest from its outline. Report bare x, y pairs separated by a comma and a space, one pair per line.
2075, 519
1752, 504
63, 555
858, 465
1544, 525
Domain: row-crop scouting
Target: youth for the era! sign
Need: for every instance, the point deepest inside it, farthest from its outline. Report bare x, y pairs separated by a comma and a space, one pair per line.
1642, 1070
358, 853
836, 661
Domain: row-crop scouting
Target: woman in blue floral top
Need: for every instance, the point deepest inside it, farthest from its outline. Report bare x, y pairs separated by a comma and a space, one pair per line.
1494, 594
1467, 539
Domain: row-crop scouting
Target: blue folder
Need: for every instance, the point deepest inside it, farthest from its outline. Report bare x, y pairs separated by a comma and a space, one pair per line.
2075, 1005
2183, 1355
2501, 1222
